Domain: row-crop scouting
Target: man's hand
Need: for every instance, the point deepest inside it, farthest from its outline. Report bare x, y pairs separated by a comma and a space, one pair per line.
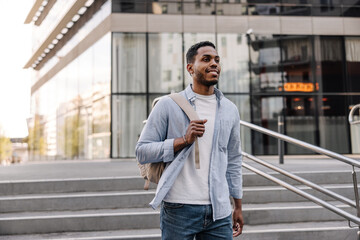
195, 129
238, 221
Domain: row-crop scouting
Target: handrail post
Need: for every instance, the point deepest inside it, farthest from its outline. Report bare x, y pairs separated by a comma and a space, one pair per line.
356, 191
280, 142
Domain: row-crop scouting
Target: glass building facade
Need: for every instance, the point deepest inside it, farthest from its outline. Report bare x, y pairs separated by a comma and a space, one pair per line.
94, 106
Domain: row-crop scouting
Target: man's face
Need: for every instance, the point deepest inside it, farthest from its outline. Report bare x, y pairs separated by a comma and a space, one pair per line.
206, 67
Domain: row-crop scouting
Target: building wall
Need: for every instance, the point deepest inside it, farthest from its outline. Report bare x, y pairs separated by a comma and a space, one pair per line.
90, 99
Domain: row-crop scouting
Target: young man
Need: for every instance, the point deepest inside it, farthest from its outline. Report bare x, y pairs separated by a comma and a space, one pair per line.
195, 201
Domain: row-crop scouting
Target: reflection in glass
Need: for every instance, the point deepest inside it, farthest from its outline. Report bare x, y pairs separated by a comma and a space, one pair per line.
333, 125
296, 10
233, 52
326, 10
329, 66
199, 8
165, 62
265, 57
265, 112
352, 48
230, 9
351, 10
264, 9
129, 6
300, 122
129, 62
243, 104
297, 64
101, 128
128, 113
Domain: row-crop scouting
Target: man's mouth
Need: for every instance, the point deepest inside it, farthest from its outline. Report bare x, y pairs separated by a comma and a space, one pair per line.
213, 72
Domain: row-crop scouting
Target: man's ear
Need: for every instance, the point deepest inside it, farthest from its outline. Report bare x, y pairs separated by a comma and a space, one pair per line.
189, 68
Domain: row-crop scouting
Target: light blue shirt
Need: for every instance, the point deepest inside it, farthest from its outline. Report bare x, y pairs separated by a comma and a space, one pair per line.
167, 121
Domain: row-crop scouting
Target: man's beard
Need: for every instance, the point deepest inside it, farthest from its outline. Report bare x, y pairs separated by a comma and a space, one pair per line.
201, 79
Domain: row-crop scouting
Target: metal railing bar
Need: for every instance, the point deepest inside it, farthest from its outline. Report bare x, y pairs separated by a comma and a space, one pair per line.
351, 115
306, 195
302, 144
302, 180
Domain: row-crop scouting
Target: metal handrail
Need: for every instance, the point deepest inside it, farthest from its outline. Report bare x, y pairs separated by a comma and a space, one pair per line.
302, 144
310, 197
351, 115
302, 180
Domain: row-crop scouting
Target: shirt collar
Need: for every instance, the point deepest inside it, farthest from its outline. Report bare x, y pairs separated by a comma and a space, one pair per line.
191, 95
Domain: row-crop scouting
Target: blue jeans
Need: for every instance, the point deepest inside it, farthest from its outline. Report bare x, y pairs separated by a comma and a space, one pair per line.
186, 221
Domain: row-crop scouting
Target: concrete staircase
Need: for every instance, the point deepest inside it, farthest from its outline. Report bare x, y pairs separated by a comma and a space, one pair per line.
117, 208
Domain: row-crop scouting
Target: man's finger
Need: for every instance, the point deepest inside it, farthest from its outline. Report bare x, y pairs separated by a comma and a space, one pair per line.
200, 121
237, 230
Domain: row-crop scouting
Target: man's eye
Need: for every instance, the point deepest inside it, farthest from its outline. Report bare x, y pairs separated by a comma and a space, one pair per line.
206, 59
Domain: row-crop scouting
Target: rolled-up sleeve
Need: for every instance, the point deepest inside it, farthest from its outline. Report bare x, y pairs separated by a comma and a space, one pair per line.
153, 145
234, 168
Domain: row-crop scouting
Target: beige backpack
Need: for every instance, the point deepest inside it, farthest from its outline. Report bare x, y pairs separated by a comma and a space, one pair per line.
152, 172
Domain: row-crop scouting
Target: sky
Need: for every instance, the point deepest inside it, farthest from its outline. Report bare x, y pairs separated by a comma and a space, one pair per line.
15, 82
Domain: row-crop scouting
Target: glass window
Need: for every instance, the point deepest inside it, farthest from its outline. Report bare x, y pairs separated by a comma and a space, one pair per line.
296, 10
352, 48
234, 56
297, 64
300, 122
130, 6
264, 9
265, 111
329, 64
326, 10
265, 57
129, 62
243, 104
199, 8
351, 11
86, 72
165, 62
128, 113
166, 7
229, 9
101, 128
333, 124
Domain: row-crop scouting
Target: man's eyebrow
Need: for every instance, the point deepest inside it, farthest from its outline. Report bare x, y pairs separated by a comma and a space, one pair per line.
208, 55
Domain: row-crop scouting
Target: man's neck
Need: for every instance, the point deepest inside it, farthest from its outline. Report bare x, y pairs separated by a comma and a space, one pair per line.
203, 90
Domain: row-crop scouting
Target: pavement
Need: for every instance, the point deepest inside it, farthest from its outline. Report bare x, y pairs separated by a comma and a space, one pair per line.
108, 168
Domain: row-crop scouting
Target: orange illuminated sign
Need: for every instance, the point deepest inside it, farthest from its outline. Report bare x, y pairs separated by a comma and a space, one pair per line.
298, 87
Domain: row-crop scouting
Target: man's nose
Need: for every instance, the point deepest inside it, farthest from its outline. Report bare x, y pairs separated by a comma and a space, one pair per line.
213, 63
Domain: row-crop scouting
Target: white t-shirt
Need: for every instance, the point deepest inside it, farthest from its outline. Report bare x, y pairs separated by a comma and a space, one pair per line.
192, 185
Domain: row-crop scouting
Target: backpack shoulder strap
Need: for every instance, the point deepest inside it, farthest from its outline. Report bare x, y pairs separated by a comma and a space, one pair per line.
184, 105
192, 115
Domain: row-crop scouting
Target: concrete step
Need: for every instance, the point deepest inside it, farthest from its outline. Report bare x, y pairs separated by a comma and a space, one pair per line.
255, 214
71, 185
139, 234
338, 230
75, 201
73, 221
295, 231
121, 219
269, 194
22, 187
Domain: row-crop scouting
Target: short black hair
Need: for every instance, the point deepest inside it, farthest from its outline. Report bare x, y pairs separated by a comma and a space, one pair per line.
192, 52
